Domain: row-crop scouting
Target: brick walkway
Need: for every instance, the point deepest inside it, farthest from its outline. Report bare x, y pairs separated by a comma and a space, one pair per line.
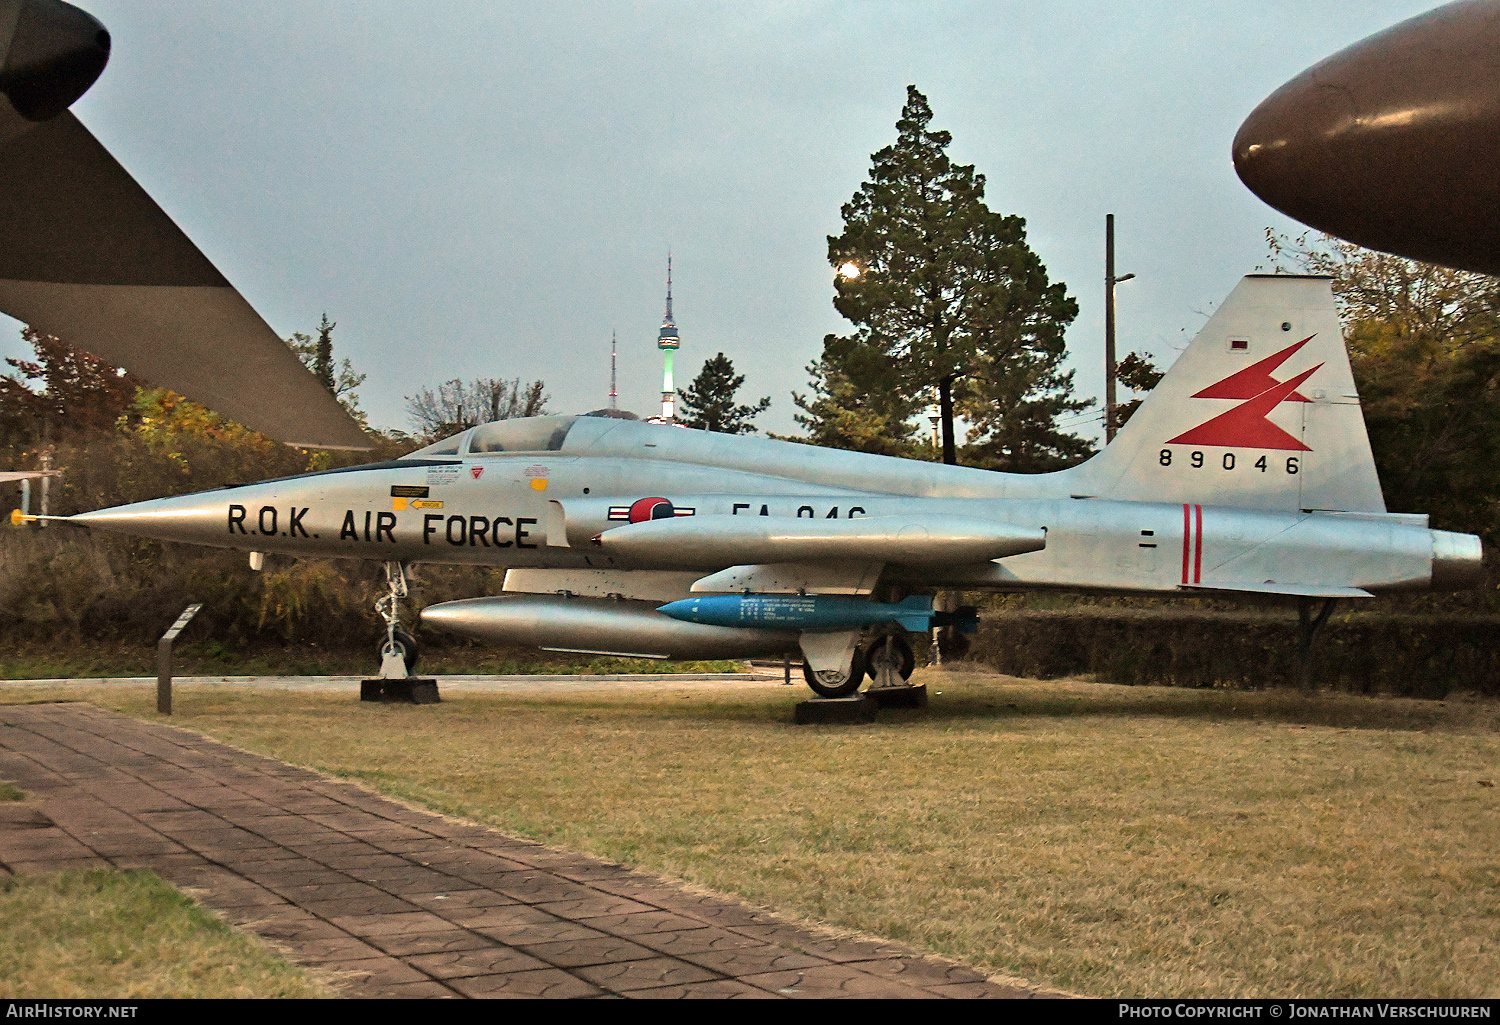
404, 903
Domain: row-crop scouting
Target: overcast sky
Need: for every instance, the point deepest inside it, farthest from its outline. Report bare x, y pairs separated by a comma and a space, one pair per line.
488, 189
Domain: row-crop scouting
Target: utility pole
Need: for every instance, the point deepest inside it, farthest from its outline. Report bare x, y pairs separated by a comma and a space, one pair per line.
46, 464
1110, 281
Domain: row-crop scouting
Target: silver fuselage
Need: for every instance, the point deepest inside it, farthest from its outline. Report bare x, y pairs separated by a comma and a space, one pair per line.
540, 510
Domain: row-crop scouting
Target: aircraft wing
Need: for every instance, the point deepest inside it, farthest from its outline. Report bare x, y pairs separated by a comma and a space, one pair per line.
1271, 587
86, 255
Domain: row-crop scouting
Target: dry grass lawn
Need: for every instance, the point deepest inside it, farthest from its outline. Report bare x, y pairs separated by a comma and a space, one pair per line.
1105, 840
128, 935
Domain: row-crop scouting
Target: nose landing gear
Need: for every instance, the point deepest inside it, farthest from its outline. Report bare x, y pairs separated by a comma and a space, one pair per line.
398, 649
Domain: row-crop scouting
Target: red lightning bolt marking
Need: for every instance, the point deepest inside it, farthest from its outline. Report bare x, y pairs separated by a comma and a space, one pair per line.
1246, 426
1254, 379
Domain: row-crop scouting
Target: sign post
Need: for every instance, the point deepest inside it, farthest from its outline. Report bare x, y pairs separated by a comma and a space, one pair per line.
164, 659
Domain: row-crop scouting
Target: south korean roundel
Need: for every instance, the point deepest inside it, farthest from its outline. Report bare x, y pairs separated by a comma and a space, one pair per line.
651, 509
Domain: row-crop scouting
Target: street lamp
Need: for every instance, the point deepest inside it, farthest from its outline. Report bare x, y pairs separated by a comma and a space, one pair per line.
1110, 281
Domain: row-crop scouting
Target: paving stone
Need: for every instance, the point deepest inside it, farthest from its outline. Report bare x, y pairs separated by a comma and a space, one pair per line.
697, 941
31, 868
429, 990
923, 972
742, 961
320, 950
408, 879
50, 843
294, 926
488, 960
432, 942
718, 989
834, 981
549, 983
380, 906
386, 924
641, 923
539, 932
375, 971
591, 906
591, 951
451, 902
343, 890
650, 973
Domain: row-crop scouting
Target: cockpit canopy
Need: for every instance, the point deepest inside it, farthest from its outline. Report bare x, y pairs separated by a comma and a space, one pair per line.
528, 434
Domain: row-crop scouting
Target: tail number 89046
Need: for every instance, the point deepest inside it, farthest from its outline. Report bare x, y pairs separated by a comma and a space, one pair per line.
1228, 461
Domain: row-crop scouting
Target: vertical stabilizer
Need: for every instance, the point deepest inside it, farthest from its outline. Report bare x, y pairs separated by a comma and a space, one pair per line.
1260, 412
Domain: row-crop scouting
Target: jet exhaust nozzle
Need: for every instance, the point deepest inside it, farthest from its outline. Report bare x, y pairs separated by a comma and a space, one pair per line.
1457, 561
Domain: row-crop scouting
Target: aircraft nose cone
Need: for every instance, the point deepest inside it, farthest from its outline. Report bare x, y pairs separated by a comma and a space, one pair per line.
53, 52
1392, 143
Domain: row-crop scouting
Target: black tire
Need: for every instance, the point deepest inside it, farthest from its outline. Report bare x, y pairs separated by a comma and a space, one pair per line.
409, 651
837, 688
894, 646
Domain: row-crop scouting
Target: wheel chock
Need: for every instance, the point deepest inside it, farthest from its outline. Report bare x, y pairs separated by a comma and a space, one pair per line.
412, 690
899, 697
854, 708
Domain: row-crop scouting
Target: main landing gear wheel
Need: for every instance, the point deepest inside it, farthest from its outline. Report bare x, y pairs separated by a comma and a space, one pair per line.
891, 653
404, 645
834, 683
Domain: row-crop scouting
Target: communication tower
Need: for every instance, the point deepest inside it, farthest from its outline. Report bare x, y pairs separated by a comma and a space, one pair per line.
614, 395
667, 341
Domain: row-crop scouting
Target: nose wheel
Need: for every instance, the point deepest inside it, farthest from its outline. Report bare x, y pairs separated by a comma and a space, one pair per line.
402, 646
398, 649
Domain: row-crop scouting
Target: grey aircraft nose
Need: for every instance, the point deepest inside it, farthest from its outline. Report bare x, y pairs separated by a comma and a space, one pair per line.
52, 53
1392, 143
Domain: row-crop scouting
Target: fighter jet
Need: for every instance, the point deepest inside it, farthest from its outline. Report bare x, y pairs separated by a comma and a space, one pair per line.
1247, 472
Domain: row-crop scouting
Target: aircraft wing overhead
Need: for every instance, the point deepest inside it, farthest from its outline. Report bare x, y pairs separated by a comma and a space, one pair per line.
86, 255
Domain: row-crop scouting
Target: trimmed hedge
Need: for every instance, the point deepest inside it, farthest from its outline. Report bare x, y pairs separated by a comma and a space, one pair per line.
1426, 656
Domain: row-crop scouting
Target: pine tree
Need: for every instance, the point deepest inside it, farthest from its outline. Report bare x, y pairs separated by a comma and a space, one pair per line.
840, 415
708, 403
322, 367
341, 381
950, 306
